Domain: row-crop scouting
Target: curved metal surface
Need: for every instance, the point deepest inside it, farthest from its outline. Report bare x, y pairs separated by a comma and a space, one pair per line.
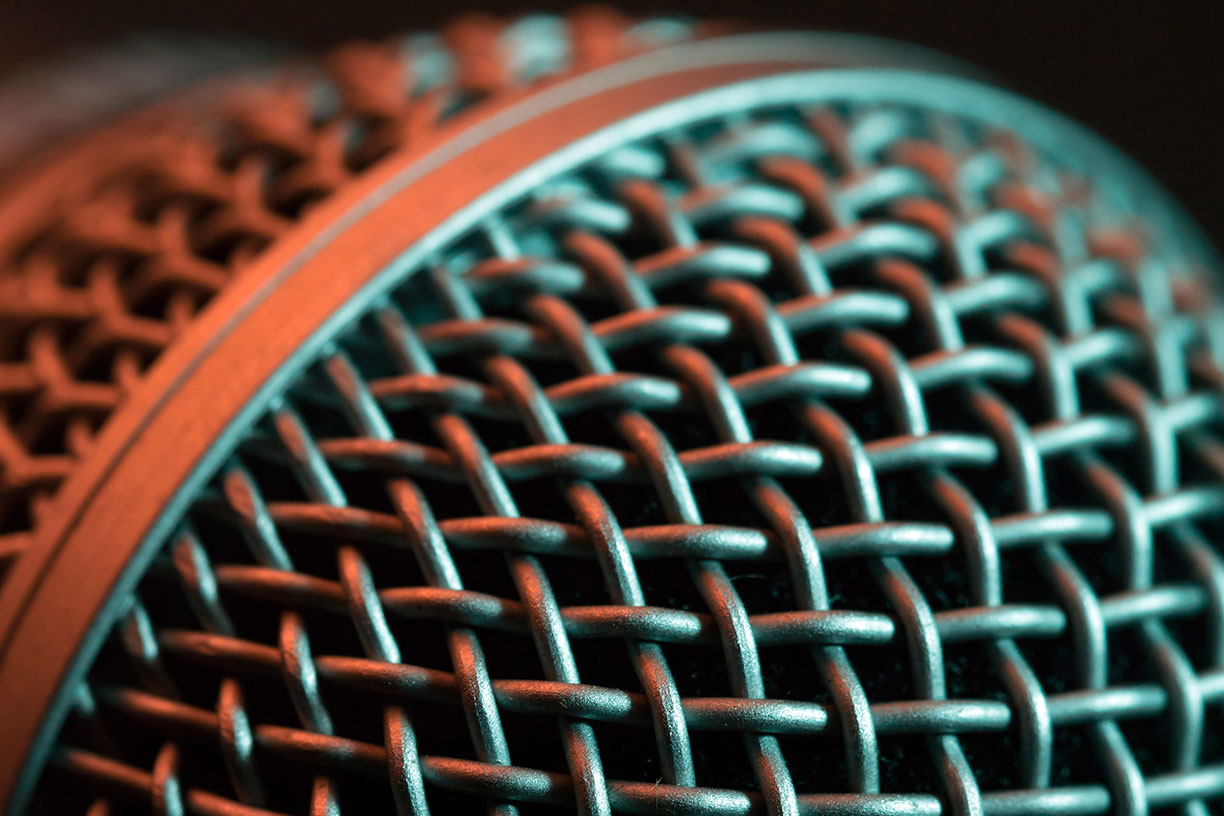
369, 248
742, 55
112, 245
792, 49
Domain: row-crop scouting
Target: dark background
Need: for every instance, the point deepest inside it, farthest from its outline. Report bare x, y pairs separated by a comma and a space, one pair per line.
1146, 75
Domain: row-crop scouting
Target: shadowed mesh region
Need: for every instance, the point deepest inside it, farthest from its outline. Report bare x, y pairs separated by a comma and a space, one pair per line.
843, 459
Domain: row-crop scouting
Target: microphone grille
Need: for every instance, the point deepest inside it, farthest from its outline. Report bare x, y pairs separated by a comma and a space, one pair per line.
852, 455
110, 247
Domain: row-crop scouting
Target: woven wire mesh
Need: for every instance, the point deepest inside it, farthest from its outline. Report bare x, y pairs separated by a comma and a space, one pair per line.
847, 459
126, 256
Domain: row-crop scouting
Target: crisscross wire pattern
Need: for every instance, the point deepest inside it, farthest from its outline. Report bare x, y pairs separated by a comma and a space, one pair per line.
847, 459
123, 260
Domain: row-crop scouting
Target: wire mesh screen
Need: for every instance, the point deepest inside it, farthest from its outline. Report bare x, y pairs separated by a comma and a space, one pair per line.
138, 241
852, 459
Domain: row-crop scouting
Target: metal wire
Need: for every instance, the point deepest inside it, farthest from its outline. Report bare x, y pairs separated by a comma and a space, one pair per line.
126, 256
847, 460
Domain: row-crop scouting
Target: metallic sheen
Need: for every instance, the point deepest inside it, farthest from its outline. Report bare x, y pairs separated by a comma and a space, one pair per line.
846, 440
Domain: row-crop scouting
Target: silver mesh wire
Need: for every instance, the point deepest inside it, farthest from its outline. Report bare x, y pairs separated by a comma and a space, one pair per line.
852, 459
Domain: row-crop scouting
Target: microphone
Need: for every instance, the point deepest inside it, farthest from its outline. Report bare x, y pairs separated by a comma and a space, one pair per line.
604, 416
